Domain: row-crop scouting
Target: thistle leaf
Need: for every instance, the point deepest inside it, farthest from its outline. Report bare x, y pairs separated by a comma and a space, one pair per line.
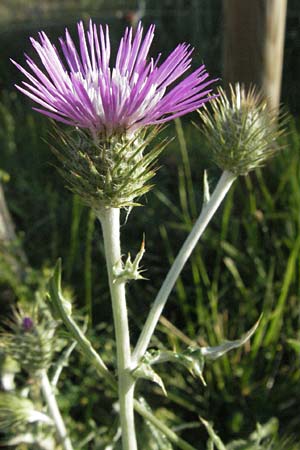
220, 350
146, 372
193, 358
57, 301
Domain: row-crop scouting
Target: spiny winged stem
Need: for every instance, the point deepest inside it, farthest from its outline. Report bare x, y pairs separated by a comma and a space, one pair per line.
50, 399
110, 221
207, 213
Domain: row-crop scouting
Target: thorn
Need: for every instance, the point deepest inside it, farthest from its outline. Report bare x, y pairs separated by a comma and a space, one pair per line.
203, 380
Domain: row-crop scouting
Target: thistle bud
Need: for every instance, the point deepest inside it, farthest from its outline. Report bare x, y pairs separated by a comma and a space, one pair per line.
30, 341
241, 130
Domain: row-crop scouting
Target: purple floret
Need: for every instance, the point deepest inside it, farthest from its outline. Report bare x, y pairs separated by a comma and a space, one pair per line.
27, 324
87, 92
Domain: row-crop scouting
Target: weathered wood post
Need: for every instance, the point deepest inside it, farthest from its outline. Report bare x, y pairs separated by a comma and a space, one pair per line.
253, 49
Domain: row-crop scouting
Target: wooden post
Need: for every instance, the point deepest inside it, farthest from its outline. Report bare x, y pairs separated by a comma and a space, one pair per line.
254, 44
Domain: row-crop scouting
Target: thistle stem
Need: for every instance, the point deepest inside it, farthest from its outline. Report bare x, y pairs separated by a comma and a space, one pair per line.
110, 221
207, 213
172, 437
50, 399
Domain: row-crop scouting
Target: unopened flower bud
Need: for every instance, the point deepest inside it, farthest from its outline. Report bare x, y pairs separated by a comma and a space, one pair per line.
30, 341
241, 130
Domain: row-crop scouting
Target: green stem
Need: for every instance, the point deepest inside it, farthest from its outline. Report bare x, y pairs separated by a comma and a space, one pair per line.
90, 353
50, 399
207, 213
173, 437
110, 221
88, 266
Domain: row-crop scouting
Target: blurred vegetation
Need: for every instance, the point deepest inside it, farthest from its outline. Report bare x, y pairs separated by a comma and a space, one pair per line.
248, 261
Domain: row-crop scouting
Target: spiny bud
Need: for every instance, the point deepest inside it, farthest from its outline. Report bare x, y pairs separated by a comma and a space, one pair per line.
30, 340
109, 172
241, 129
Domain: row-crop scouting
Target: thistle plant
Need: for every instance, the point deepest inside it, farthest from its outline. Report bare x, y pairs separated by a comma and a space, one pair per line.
108, 156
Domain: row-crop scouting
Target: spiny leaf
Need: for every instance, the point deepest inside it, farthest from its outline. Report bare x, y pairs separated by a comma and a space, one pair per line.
76, 333
220, 350
146, 372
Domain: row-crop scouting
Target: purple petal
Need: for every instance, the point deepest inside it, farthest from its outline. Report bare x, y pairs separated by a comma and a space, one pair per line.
84, 90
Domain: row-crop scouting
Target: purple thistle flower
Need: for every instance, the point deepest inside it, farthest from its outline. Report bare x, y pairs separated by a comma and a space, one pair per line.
87, 93
27, 324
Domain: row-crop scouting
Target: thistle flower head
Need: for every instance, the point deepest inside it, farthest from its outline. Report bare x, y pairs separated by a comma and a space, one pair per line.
110, 106
29, 340
82, 88
241, 129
